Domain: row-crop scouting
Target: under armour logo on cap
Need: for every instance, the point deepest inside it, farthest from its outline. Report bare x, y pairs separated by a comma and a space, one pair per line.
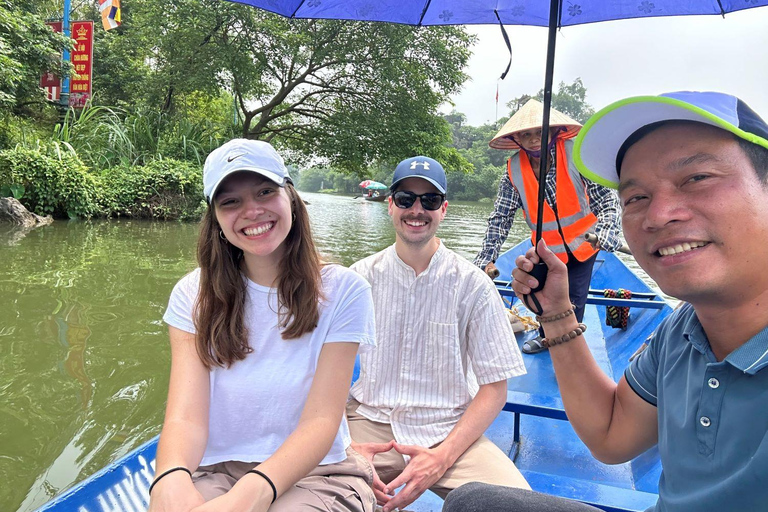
424, 164
421, 167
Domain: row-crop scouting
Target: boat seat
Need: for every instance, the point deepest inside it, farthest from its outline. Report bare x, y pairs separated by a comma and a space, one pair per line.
604, 497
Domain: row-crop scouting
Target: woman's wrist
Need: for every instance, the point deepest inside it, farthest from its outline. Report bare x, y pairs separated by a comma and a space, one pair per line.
257, 487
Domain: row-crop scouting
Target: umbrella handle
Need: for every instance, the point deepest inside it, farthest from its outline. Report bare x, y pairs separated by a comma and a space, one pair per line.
539, 272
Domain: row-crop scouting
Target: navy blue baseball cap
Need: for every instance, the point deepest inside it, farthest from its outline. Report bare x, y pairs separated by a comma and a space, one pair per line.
601, 144
420, 167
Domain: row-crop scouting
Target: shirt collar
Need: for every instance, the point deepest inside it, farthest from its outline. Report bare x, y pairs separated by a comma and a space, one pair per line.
749, 358
752, 356
432, 262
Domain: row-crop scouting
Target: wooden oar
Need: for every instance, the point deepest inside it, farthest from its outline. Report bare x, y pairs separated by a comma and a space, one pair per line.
592, 238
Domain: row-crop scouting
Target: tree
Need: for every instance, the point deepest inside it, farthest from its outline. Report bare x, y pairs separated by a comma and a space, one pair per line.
345, 92
28, 48
569, 99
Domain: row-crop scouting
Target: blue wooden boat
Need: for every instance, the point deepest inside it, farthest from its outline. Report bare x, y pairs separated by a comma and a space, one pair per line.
533, 428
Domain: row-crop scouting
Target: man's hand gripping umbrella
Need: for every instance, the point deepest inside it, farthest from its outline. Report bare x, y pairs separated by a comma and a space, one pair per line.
541, 272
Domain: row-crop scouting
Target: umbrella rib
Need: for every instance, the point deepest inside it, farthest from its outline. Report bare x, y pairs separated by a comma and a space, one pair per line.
722, 11
301, 4
424, 11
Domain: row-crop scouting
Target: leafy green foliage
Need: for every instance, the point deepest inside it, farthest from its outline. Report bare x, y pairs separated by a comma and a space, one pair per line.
28, 48
53, 182
568, 99
345, 93
162, 189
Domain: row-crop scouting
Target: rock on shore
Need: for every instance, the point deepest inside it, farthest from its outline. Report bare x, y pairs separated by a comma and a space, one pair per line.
13, 212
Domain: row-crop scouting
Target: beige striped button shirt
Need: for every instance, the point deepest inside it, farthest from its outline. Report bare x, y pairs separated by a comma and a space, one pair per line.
439, 336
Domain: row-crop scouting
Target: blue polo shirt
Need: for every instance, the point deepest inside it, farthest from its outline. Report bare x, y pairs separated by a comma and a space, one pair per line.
713, 417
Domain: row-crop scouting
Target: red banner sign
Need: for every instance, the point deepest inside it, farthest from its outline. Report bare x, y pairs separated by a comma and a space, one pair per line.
82, 60
50, 82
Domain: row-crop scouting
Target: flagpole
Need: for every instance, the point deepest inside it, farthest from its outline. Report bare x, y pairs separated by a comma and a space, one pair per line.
64, 99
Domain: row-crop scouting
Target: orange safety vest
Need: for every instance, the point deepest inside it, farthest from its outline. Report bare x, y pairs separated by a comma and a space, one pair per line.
576, 219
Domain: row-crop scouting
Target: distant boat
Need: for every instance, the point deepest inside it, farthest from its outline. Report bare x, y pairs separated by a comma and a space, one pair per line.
532, 429
374, 195
373, 190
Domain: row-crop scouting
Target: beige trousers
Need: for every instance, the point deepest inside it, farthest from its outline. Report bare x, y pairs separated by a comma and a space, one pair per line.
482, 462
341, 487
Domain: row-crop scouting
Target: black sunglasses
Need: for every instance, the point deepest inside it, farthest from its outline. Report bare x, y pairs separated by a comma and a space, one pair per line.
429, 201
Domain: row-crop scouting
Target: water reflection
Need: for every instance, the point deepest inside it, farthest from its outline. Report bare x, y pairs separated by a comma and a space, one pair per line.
85, 357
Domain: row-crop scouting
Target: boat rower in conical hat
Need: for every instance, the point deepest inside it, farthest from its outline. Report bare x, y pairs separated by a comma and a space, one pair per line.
575, 206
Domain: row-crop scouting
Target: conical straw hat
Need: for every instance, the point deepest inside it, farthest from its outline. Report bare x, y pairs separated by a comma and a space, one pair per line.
529, 116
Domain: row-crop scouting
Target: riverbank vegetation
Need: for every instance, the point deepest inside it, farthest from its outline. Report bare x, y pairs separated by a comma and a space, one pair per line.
343, 101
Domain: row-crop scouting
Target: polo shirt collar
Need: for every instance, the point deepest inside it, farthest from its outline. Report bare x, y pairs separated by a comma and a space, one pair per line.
752, 356
749, 358
694, 334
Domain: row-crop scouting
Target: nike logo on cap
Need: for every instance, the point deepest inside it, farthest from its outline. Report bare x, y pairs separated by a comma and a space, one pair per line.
230, 158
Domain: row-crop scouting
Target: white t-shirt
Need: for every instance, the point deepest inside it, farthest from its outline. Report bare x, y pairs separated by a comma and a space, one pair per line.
256, 403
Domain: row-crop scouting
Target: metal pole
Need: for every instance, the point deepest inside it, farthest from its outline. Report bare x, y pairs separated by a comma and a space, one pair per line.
64, 99
554, 10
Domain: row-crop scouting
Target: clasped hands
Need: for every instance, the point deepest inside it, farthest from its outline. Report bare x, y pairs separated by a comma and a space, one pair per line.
425, 467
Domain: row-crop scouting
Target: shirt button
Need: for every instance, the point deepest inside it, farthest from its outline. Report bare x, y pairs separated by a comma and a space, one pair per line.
705, 422
713, 383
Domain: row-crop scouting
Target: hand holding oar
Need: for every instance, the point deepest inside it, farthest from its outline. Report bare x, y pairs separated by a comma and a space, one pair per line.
492, 271
592, 238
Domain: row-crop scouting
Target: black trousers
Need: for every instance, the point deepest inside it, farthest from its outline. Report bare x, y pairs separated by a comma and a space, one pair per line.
579, 277
477, 497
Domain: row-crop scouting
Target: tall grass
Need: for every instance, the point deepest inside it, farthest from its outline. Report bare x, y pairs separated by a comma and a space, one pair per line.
105, 137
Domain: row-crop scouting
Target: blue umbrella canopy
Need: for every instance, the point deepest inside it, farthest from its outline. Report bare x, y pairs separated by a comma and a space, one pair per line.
553, 14
512, 12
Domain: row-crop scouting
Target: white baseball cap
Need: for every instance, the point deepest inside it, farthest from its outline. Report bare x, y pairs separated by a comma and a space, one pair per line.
243, 155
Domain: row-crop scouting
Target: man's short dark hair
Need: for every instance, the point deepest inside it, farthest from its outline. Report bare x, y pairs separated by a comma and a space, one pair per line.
758, 156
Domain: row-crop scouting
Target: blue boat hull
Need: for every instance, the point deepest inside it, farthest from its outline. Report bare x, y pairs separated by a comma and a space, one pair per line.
532, 429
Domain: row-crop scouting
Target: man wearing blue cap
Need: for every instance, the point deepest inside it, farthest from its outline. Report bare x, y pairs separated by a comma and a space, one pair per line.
692, 173
445, 348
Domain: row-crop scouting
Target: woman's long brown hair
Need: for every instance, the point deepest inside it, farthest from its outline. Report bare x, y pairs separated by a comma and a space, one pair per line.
222, 336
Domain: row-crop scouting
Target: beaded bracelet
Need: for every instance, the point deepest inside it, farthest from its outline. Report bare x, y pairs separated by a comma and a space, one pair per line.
164, 473
550, 342
269, 481
559, 316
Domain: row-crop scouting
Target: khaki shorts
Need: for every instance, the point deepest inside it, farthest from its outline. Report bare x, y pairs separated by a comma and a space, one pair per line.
482, 462
341, 487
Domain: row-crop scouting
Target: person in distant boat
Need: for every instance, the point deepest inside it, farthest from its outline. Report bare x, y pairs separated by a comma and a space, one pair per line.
574, 206
445, 349
692, 173
263, 343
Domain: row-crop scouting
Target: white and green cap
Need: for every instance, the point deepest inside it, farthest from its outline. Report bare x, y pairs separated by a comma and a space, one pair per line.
600, 146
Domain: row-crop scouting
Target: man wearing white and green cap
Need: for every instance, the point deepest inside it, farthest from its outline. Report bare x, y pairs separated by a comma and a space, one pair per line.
692, 173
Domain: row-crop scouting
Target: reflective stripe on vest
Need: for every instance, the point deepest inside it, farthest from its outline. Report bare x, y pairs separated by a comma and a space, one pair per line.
576, 219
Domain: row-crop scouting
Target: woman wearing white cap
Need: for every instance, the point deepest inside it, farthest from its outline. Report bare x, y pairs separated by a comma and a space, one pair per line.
574, 206
263, 344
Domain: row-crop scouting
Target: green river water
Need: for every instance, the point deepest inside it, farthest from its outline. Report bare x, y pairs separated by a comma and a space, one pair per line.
84, 356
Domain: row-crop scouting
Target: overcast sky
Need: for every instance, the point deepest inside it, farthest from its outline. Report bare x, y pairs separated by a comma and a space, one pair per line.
623, 58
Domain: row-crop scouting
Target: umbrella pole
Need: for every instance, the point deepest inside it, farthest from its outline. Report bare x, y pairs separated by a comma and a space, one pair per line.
539, 271
554, 9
